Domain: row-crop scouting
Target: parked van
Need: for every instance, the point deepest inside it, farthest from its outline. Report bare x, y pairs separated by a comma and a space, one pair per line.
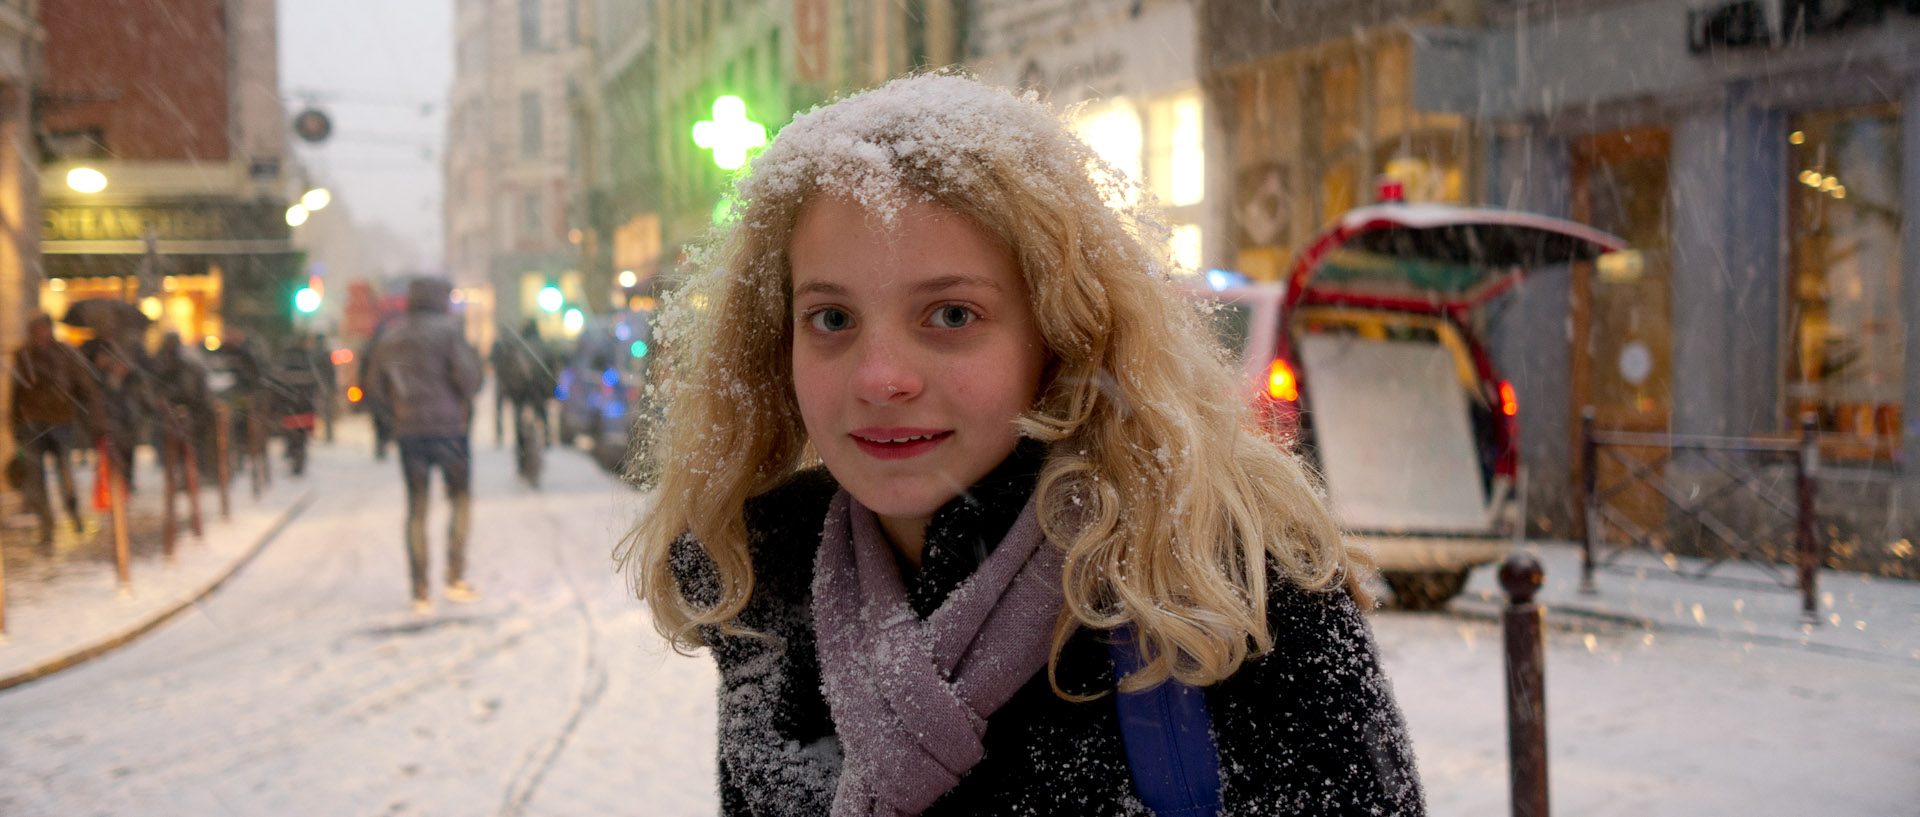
1366, 358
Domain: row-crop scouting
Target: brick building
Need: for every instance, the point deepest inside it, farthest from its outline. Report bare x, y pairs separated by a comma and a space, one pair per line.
163, 143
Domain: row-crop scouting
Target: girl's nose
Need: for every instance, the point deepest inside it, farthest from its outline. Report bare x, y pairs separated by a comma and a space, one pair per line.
885, 372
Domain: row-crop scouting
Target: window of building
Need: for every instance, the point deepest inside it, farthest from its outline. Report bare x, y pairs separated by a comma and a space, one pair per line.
530, 221
529, 25
915, 23
530, 125
1845, 356
1159, 145
1176, 149
1112, 129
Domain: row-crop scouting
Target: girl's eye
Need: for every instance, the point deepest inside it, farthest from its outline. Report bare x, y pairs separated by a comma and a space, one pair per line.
952, 317
830, 320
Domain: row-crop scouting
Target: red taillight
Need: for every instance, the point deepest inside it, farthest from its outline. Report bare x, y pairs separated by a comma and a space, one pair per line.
1509, 405
354, 394
342, 356
1281, 384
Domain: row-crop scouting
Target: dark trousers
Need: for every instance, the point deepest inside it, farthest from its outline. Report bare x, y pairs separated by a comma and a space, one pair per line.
539, 408
39, 442
419, 455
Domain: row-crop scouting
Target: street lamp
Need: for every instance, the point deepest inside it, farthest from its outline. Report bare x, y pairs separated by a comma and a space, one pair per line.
86, 180
297, 215
316, 199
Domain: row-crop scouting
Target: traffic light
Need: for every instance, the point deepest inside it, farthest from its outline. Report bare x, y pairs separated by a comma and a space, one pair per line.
729, 134
307, 300
551, 299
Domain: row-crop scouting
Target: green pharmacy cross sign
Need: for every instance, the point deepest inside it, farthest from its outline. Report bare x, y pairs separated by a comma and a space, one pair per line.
729, 134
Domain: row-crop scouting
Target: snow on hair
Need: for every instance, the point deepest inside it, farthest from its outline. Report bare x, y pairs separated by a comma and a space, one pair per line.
1172, 509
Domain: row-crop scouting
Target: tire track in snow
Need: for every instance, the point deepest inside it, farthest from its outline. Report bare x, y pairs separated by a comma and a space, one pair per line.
538, 761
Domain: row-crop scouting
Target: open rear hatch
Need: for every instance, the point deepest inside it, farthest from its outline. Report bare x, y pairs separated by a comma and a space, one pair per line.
1434, 257
1395, 438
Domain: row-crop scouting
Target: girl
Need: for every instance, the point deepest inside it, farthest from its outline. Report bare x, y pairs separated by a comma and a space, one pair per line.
1023, 447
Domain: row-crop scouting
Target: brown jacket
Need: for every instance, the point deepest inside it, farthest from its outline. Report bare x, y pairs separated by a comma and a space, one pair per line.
52, 385
424, 367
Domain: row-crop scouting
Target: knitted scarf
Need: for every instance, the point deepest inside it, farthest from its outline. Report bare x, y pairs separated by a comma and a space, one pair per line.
910, 698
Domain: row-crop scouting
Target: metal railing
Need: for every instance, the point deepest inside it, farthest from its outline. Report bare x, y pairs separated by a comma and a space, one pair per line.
1700, 504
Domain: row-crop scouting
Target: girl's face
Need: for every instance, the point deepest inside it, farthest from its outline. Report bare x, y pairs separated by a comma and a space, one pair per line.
914, 348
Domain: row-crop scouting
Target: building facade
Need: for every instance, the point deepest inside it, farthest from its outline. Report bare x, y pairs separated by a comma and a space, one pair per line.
163, 163
1754, 156
778, 57
20, 71
1128, 74
1767, 179
513, 150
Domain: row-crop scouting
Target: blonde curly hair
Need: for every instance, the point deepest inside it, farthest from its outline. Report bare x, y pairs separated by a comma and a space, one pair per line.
1171, 508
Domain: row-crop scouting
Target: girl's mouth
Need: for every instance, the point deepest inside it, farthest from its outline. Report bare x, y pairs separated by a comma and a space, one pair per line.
898, 443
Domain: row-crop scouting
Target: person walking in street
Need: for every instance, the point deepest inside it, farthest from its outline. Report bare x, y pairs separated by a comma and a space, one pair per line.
53, 390
524, 376
124, 403
185, 405
247, 399
326, 374
377, 408
297, 393
424, 368
1038, 486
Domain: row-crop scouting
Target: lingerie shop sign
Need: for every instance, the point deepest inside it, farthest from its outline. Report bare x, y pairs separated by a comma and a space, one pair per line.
1772, 23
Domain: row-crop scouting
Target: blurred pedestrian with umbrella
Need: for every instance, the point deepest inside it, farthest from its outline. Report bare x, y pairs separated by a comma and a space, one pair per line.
53, 391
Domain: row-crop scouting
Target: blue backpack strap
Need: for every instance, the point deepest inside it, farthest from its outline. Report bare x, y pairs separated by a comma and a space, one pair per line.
1169, 739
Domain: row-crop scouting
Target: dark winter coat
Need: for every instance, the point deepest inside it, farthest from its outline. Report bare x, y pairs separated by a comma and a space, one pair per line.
52, 385
1310, 728
424, 368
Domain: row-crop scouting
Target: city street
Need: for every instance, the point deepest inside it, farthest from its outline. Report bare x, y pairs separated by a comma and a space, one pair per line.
305, 685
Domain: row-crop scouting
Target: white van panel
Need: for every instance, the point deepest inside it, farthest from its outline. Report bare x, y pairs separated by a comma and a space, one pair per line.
1390, 422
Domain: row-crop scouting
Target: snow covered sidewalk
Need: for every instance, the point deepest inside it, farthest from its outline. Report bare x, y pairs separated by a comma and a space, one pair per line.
1669, 696
61, 611
1860, 615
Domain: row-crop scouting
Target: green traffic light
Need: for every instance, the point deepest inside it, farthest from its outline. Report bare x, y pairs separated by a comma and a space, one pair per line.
306, 300
638, 349
729, 134
551, 299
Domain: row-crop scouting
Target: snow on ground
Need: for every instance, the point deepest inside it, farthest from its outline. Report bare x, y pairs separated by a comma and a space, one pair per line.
1655, 724
306, 686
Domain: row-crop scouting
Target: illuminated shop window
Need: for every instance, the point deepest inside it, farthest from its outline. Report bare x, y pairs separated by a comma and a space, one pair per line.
1112, 129
1845, 359
1176, 150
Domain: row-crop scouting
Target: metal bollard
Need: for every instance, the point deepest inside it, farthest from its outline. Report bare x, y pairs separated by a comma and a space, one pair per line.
1589, 499
169, 466
222, 428
1807, 541
1526, 686
117, 501
190, 461
3, 601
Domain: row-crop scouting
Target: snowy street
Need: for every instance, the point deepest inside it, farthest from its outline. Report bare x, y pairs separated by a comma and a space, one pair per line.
305, 685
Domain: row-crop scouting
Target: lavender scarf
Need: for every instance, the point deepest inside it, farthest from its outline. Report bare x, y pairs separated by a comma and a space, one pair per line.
910, 699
